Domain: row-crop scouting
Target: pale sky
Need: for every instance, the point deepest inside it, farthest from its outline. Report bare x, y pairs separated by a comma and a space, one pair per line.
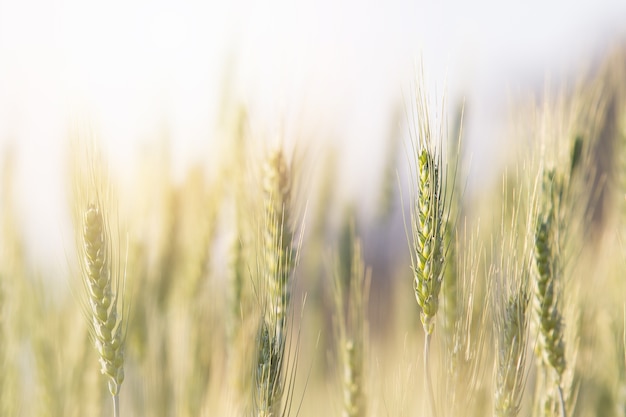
133, 66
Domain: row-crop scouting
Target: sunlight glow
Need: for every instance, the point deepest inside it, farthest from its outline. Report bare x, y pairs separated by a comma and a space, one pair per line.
136, 68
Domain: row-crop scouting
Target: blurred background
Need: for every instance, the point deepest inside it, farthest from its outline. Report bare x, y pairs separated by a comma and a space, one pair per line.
327, 72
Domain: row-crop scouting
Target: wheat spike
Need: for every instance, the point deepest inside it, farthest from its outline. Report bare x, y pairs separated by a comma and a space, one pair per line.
278, 264
102, 278
428, 240
550, 346
103, 292
351, 294
428, 215
511, 355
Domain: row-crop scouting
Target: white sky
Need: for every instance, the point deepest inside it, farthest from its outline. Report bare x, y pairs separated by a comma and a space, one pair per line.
134, 66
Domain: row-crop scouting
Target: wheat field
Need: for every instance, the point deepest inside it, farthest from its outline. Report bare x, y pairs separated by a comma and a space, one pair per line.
236, 292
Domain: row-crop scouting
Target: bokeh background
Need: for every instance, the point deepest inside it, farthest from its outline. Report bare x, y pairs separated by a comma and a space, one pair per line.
142, 70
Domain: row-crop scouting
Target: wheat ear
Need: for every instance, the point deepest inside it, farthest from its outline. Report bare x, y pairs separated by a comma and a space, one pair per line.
427, 218
279, 254
550, 346
278, 264
428, 240
351, 330
103, 292
427, 259
512, 329
102, 278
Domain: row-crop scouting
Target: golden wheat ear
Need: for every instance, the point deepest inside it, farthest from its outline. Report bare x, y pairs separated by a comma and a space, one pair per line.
103, 277
103, 292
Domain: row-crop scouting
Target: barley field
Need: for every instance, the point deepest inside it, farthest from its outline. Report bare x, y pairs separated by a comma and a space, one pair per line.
250, 286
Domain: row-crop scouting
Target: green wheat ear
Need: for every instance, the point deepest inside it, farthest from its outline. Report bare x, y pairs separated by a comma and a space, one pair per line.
278, 262
428, 217
428, 240
550, 346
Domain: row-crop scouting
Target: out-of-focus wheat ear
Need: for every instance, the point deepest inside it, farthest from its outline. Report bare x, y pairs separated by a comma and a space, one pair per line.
268, 389
242, 326
465, 354
550, 348
278, 262
278, 238
103, 292
511, 341
351, 295
451, 320
550, 345
450, 289
103, 274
